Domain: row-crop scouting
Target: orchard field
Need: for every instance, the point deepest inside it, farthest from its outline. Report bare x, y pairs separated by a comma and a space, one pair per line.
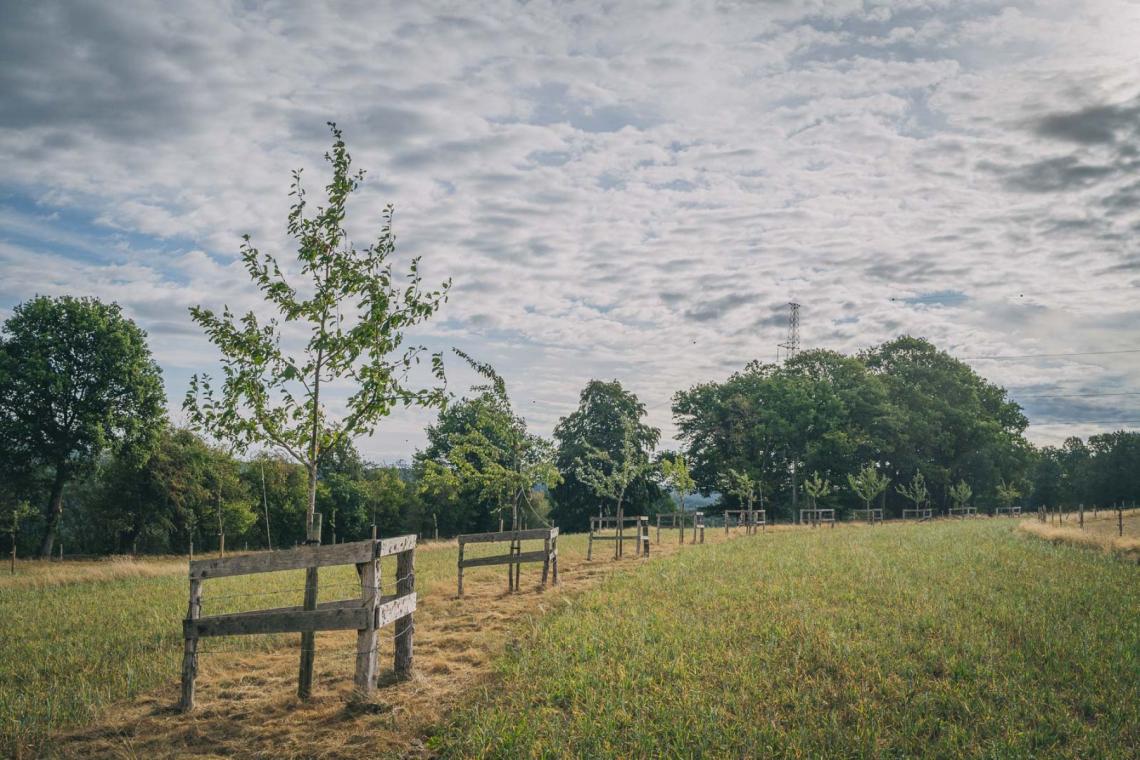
949, 638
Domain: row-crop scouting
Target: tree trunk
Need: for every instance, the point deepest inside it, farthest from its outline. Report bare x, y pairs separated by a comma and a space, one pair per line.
54, 512
311, 507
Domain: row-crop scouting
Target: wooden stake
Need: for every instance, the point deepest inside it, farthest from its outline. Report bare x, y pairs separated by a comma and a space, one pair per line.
460, 568
309, 638
190, 649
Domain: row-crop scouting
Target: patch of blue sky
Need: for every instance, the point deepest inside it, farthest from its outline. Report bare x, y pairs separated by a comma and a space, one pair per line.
72, 233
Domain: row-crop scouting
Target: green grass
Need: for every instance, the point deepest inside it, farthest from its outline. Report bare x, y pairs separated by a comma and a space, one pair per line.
935, 640
71, 645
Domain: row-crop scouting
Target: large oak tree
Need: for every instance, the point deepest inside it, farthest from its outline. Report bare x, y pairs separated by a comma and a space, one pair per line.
76, 379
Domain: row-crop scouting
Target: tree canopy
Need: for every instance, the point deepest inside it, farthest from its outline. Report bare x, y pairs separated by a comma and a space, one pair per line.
351, 309
904, 406
76, 379
608, 418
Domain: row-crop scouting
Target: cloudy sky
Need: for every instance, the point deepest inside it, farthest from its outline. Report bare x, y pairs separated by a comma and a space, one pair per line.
618, 190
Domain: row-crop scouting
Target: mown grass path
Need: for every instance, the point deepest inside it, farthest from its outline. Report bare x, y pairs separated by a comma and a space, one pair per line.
948, 639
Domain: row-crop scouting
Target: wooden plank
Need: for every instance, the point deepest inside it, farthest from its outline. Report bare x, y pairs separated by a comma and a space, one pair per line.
280, 621
395, 545
391, 611
508, 535
504, 559
287, 559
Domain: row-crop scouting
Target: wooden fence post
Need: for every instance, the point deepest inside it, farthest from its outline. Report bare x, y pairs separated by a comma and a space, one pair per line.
590, 542
309, 638
1120, 519
554, 560
405, 626
460, 567
366, 638
190, 648
545, 562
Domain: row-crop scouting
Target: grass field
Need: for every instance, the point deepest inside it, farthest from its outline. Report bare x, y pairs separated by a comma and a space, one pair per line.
76, 637
943, 639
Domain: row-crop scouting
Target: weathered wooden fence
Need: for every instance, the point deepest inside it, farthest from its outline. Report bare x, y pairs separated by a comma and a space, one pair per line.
963, 512
675, 520
751, 519
366, 614
515, 556
815, 517
870, 515
619, 529
698, 527
918, 514
1008, 511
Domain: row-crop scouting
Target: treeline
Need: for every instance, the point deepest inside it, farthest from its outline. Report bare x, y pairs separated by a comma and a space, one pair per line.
99, 465
185, 494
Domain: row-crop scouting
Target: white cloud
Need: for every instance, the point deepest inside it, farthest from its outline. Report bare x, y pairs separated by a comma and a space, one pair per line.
617, 191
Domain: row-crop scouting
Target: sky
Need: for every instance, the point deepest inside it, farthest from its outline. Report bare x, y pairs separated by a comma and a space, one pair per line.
616, 189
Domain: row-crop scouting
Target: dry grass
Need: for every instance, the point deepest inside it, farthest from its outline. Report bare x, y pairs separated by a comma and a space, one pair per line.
41, 574
247, 698
1099, 533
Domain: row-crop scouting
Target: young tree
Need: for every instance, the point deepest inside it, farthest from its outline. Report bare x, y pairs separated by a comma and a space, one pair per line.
1007, 493
11, 514
816, 486
960, 494
741, 485
76, 379
675, 471
609, 477
915, 491
868, 484
352, 311
480, 451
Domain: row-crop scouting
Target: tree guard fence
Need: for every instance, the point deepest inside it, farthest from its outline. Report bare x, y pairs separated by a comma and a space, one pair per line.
365, 614
619, 529
815, 517
872, 516
751, 519
515, 556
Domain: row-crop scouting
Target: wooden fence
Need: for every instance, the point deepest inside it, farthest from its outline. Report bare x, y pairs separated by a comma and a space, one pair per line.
917, 514
366, 614
815, 517
676, 520
515, 556
1009, 511
698, 527
615, 529
963, 512
751, 519
870, 515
